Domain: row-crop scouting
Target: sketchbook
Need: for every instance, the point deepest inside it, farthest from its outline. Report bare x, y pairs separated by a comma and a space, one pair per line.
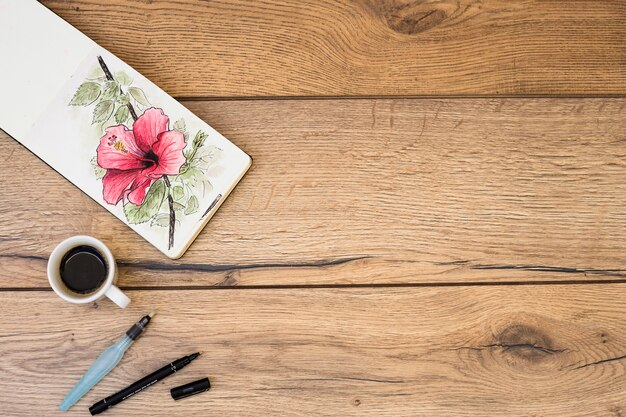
110, 131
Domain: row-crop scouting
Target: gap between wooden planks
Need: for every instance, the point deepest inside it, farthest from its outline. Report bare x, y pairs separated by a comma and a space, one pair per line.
240, 48
499, 351
349, 192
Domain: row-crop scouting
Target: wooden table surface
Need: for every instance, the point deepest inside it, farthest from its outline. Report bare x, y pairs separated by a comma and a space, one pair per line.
434, 224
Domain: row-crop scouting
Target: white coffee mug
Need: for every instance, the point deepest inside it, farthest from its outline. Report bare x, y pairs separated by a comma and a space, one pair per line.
107, 288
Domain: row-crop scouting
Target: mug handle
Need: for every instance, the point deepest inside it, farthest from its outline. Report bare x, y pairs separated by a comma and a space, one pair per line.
117, 296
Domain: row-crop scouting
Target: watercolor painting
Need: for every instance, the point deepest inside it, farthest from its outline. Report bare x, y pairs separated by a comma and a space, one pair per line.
131, 147
145, 162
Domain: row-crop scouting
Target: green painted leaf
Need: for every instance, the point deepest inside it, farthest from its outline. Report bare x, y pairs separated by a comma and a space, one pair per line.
178, 192
149, 208
122, 99
192, 205
97, 169
96, 73
161, 220
121, 114
178, 206
138, 95
206, 156
192, 176
199, 139
184, 166
209, 152
86, 94
123, 78
196, 180
103, 111
179, 125
111, 91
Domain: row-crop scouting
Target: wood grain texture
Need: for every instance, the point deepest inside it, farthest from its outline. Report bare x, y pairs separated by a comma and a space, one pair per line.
498, 351
426, 194
240, 48
368, 192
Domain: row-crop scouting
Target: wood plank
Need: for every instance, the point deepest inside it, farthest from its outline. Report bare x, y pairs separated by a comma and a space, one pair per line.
499, 350
240, 48
368, 192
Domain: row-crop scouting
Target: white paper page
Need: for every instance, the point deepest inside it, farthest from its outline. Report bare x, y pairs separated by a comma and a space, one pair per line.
110, 131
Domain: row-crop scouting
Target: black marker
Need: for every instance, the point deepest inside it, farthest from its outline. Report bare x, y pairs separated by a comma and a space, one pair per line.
142, 384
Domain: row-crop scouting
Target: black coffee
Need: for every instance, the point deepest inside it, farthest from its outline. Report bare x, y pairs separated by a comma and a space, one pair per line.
83, 269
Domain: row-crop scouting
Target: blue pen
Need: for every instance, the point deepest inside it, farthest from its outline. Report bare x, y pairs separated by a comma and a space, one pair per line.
105, 363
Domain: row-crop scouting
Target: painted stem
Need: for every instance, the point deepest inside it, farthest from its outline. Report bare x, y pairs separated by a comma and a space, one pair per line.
170, 200
107, 73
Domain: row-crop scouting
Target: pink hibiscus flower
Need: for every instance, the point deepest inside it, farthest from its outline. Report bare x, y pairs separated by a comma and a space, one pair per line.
134, 159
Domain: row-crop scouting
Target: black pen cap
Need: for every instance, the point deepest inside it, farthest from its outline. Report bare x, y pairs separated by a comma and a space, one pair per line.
98, 407
191, 388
